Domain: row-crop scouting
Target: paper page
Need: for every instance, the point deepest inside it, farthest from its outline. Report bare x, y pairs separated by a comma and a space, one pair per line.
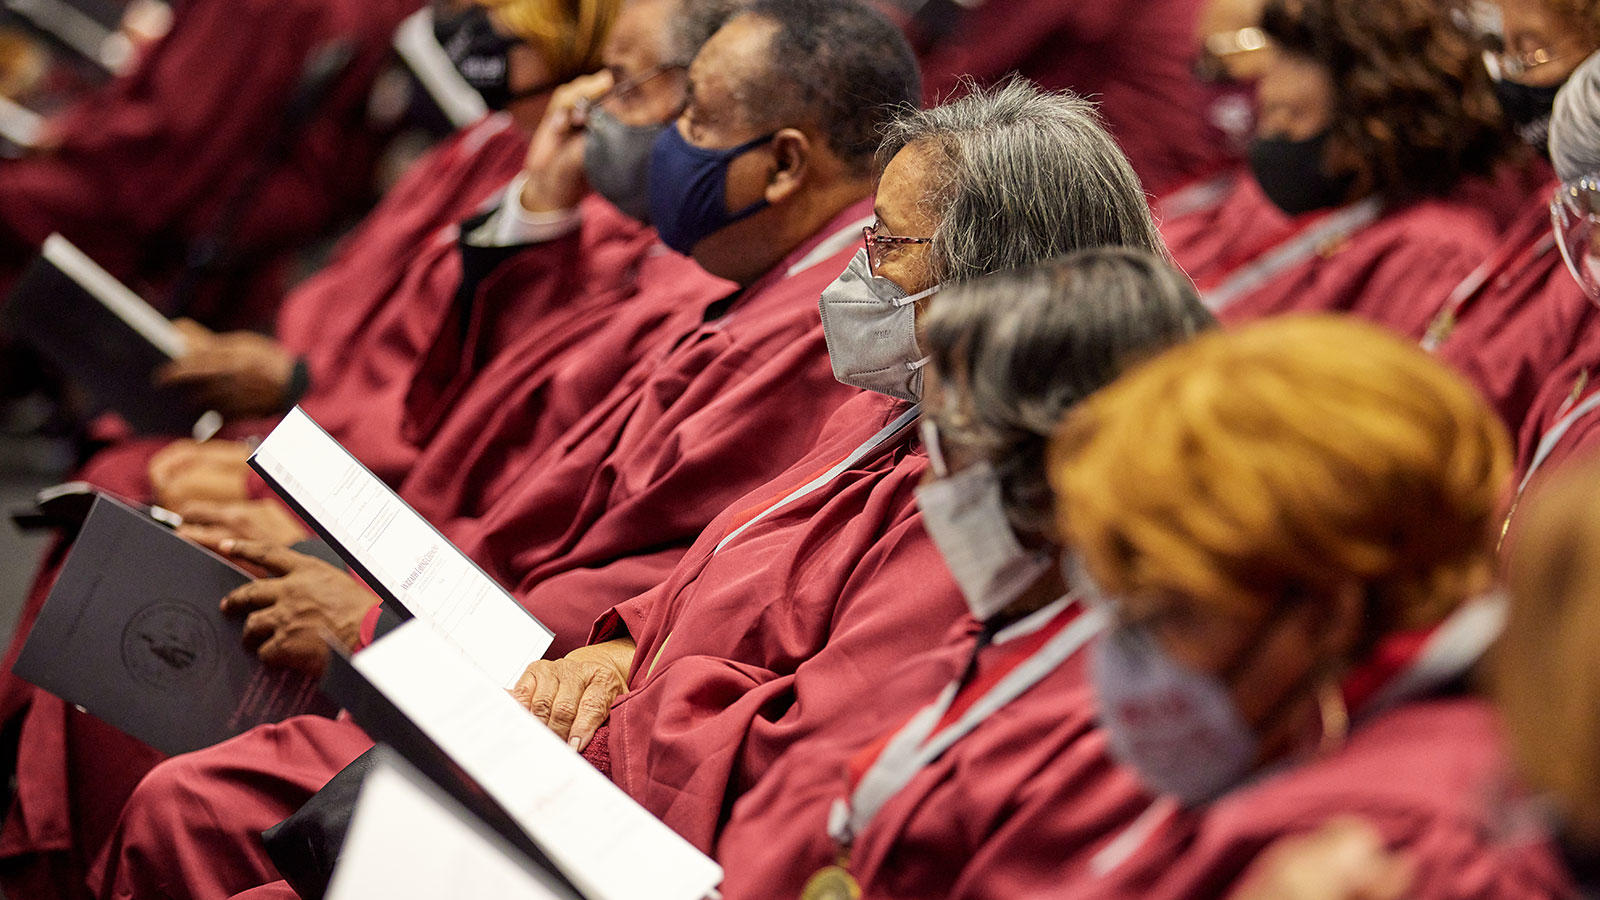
114, 295
19, 124
604, 842
410, 841
381, 536
415, 43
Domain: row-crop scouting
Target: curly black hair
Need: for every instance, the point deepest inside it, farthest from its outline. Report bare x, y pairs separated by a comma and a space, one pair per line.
1413, 110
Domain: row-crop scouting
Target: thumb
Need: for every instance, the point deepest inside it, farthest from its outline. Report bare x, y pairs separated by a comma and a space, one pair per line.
193, 331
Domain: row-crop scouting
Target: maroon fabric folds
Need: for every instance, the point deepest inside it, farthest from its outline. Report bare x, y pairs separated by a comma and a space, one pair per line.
1134, 57
145, 165
1527, 321
745, 651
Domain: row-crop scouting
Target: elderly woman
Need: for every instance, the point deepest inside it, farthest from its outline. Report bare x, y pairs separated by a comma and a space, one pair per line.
817, 584
1370, 114
1292, 554
1009, 355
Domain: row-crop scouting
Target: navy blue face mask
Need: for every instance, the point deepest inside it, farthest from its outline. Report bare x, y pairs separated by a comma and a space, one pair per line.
688, 189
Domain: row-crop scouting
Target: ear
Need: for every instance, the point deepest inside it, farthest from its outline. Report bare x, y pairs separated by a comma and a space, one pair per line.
792, 161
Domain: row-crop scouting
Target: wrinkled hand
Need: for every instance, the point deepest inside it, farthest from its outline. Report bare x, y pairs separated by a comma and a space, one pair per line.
239, 373
184, 472
288, 611
573, 695
554, 165
1343, 860
246, 520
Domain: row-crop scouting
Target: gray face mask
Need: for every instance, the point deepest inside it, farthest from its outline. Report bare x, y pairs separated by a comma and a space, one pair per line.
616, 161
966, 517
871, 328
1177, 728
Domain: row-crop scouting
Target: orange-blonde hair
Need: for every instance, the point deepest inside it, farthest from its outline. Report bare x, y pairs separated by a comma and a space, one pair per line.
1546, 673
1294, 457
569, 34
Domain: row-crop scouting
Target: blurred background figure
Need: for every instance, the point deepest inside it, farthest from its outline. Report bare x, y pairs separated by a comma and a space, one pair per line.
1547, 676
1134, 57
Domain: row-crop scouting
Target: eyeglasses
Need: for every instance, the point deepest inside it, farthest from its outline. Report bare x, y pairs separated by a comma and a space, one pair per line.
1514, 64
624, 88
876, 242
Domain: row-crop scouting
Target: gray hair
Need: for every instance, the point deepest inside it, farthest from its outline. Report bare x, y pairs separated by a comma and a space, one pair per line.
694, 24
1028, 175
1575, 123
1015, 351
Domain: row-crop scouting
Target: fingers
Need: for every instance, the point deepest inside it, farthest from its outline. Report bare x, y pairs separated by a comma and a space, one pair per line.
207, 512
522, 691
543, 697
270, 557
259, 628
253, 596
564, 706
193, 331
593, 710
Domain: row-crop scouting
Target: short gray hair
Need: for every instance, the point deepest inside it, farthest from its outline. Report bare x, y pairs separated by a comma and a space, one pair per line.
1015, 351
694, 24
1575, 124
1028, 175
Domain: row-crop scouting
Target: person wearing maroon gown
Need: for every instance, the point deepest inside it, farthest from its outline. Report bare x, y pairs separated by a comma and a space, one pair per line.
1518, 316
1009, 785
738, 394
1355, 162
364, 328
142, 170
1134, 56
992, 408
710, 681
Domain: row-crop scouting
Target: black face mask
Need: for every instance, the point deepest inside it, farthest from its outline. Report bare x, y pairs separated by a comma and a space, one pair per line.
482, 56
1291, 175
1527, 109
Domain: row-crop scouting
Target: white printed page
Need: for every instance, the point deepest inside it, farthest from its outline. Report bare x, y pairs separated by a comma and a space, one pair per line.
381, 533
610, 847
114, 295
410, 842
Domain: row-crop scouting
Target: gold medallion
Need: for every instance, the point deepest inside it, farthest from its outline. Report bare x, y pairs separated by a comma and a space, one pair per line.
832, 883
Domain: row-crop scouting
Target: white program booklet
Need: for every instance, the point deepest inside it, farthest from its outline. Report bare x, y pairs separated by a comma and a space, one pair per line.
608, 846
409, 840
404, 558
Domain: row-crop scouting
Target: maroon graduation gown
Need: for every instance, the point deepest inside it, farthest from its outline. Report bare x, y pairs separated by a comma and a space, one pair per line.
147, 163
1388, 272
1214, 225
1525, 321
1562, 398
718, 408
746, 650
1030, 804
1134, 57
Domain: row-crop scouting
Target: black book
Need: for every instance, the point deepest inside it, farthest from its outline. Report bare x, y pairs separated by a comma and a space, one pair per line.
101, 335
132, 633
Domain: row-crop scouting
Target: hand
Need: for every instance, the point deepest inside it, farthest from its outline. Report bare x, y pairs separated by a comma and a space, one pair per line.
240, 373
301, 599
554, 165
1343, 860
573, 695
248, 520
185, 471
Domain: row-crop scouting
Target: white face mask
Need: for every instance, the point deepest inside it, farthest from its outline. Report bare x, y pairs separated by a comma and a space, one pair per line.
871, 328
966, 518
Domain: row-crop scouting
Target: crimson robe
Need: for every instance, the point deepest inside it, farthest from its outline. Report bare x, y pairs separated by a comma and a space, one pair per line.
746, 650
1389, 272
1214, 225
725, 404
148, 163
1527, 320
1134, 57
1567, 388
1030, 803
